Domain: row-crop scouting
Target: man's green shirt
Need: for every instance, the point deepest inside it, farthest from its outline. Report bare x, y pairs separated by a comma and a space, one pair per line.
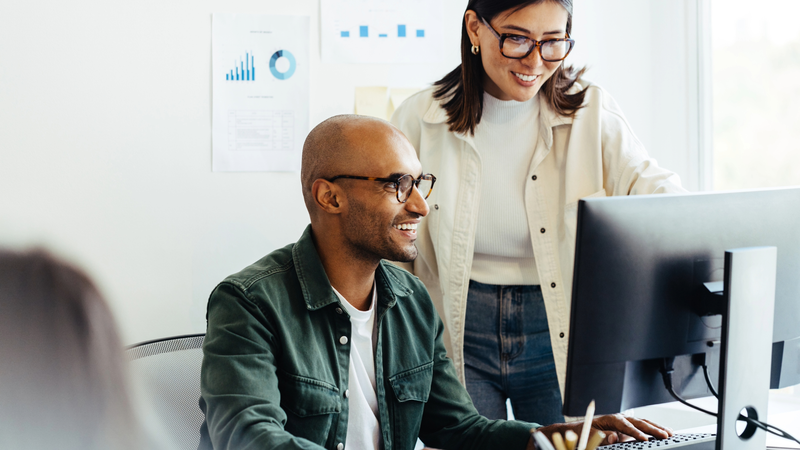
276, 364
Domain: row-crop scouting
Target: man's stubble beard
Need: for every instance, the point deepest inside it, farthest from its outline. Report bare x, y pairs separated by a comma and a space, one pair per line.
369, 240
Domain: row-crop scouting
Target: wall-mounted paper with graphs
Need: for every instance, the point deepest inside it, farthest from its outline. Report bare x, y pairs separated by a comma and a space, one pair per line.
260, 82
381, 31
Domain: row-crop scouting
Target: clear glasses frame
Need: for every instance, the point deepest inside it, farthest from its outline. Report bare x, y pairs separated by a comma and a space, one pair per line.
402, 185
534, 44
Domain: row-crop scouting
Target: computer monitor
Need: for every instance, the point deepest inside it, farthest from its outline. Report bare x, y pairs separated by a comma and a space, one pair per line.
639, 295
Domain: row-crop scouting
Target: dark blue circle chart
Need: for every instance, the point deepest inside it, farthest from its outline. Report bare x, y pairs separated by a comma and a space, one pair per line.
292, 64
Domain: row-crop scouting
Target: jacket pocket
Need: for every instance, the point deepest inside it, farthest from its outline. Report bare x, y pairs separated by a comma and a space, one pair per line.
311, 407
411, 390
413, 384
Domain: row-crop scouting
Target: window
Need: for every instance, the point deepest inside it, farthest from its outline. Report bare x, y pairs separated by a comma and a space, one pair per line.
756, 93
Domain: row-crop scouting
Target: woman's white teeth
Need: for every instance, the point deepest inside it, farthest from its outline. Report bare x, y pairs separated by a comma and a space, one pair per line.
525, 77
406, 226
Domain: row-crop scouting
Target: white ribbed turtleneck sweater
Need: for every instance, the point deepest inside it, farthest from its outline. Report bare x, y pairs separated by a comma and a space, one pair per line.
505, 138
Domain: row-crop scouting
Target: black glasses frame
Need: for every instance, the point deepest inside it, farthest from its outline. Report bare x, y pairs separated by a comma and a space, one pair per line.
536, 44
396, 181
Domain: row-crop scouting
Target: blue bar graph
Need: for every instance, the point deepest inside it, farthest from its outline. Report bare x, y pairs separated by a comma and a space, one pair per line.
363, 31
244, 69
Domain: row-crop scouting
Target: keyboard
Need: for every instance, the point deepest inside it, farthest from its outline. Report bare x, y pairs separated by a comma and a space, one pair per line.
703, 441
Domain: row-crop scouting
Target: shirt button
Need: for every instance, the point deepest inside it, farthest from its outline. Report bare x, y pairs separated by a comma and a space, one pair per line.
347, 392
561, 334
552, 285
542, 230
340, 446
436, 206
343, 340
338, 310
533, 178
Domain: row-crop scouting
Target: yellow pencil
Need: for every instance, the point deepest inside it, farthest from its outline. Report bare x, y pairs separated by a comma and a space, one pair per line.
558, 441
595, 440
587, 426
571, 439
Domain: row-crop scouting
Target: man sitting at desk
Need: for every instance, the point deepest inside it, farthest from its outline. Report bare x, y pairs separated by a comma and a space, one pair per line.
325, 344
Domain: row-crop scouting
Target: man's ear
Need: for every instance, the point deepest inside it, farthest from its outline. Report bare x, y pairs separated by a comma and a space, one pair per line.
327, 196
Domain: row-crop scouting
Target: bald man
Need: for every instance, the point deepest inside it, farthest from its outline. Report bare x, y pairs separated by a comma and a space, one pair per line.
323, 344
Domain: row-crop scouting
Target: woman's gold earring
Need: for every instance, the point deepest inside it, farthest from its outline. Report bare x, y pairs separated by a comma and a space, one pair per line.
475, 49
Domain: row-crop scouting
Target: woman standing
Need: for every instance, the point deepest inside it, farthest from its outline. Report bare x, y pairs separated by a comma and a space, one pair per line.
517, 140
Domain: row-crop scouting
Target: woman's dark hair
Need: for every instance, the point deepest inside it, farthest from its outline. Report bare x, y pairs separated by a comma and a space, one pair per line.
63, 377
462, 89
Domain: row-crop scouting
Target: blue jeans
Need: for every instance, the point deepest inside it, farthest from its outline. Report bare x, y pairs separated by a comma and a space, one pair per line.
507, 354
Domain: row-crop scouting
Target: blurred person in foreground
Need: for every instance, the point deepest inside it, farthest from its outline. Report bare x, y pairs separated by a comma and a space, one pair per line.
63, 380
324, 344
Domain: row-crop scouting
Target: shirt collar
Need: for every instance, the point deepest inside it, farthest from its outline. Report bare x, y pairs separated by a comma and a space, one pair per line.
316, 287
436, 114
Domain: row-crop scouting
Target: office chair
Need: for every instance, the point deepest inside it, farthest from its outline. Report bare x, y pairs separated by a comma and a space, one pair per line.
169, 369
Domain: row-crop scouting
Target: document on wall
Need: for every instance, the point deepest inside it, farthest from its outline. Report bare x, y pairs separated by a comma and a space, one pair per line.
260, 85
381, 31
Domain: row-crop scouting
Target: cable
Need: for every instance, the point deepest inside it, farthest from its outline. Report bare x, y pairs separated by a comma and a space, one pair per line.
755, 422
708, 381
666, 375
769, 428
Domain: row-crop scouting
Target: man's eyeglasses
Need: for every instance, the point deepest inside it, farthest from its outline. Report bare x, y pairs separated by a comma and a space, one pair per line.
401, 186
515, 46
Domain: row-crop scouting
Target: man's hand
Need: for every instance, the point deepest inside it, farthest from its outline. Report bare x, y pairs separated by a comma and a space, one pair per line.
617, 427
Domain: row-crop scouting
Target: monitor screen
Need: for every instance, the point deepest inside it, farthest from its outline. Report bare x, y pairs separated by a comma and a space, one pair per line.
638, 295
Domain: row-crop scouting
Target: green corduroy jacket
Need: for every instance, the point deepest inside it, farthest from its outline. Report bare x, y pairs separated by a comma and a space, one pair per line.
275, 366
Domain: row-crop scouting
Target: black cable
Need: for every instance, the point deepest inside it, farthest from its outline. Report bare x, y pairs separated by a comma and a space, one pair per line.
708, 381
666, 374
755, 422
769, 428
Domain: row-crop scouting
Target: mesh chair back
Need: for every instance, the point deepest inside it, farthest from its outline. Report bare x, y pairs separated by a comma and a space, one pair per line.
170, 371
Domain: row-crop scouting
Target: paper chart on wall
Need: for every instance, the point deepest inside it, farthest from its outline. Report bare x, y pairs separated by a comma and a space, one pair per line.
381, 31
260, 85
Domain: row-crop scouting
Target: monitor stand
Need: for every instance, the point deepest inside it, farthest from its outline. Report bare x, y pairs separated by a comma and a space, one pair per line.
745, 360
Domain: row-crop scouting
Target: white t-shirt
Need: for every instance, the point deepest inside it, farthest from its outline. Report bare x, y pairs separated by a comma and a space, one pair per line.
363, 428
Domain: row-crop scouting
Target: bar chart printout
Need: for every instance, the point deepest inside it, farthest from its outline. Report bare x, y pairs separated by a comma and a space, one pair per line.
381, 31
244, 70
259, 117
260, 130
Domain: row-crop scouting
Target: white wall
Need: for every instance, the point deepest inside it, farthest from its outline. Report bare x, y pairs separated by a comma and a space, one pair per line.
105, 136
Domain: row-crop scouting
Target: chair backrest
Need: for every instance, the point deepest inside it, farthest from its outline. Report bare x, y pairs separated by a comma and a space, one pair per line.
169, 369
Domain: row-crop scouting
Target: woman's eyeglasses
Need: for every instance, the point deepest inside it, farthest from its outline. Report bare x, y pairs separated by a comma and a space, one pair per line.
515, 46
401, 186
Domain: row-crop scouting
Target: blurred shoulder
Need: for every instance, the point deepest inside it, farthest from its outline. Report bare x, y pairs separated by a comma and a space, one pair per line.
415, 106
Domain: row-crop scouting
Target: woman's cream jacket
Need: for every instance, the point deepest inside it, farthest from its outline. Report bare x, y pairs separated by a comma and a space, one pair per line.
592, 154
